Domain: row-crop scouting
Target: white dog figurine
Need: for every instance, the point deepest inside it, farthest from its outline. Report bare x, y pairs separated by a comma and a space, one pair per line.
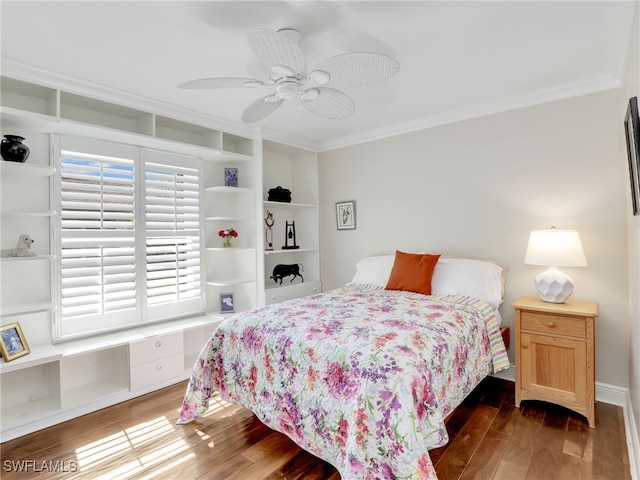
23, 249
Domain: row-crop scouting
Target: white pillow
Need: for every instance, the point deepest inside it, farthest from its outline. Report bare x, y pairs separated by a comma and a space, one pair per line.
472, 278
481, 279
374, 270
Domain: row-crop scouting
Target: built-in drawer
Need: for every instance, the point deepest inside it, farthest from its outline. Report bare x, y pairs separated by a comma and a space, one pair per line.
282, 294
157, 371
553, 324
154, 348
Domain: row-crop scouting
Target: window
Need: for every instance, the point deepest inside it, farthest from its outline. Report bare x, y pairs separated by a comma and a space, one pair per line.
129, 236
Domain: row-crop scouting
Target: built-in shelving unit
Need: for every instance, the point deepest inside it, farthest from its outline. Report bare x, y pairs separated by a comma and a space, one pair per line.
29, 98
25, 209
232, 207
297, 170
56, 382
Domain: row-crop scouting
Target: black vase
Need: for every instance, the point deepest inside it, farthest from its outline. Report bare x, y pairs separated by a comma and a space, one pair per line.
13, 150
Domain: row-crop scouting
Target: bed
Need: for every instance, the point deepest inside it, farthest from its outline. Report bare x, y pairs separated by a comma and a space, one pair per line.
362, 376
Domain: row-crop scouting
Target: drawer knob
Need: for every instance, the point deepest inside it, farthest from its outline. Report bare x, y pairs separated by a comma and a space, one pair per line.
525, 346
551, 324
158, 343
158, 367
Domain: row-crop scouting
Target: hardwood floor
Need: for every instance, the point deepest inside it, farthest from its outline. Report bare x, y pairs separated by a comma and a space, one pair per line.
490, 439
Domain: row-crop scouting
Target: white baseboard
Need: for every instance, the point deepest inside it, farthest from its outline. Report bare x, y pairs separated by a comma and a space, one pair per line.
633, 441
613, 395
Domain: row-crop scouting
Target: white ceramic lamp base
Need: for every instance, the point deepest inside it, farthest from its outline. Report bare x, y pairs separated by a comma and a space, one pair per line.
554, 286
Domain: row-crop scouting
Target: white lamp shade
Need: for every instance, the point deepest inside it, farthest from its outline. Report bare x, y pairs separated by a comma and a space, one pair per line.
555, 248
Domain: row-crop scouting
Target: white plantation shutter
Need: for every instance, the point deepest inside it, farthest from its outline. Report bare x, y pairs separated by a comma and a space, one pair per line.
129, 236
172, 219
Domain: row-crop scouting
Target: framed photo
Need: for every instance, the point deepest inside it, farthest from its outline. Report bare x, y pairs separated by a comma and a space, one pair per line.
12, 342
346, 215
227, 304
230, 177
632, 132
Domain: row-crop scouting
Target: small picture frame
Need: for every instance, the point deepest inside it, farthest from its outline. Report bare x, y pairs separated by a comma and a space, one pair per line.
12, 342
632, 133
227, 303
230, 177
346, 215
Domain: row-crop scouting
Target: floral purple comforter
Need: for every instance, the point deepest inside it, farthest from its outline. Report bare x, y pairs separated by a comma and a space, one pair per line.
360, 376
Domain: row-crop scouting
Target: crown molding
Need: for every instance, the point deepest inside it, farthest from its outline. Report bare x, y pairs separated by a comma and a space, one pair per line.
298, 142
11, 68
569, 90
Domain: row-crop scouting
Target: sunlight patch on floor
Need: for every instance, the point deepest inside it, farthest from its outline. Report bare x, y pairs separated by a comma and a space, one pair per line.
138, 465
171, 465
134, 450
102, 450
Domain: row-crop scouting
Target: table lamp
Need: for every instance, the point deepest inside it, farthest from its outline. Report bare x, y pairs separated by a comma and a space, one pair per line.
555, 248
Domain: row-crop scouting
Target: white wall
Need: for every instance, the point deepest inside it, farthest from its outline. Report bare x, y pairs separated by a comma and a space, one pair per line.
478, 187
631, 89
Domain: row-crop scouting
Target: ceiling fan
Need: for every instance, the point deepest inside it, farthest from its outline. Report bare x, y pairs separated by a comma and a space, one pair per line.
288, 78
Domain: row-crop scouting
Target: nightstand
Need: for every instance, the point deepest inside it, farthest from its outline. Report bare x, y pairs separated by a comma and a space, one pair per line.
555, 353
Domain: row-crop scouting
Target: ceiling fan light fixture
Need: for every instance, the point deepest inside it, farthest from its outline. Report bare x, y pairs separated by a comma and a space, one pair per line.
283, 70
287, 90
319, 77
317, 91
310, 94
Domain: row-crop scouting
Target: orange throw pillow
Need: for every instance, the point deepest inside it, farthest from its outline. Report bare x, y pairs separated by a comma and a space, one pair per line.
412, 272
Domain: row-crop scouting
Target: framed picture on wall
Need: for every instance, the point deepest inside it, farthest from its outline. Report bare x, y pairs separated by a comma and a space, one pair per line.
227, 304
632, 132
12, 342
346, 215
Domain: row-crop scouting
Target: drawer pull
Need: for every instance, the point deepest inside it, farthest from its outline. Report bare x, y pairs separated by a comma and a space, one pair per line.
158, 367
551, 324
158, 343
525, 346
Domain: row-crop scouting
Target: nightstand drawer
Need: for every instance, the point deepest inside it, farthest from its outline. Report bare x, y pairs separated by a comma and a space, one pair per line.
553, 324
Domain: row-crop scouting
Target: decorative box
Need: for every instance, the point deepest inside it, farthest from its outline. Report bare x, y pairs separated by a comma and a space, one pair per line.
279, 194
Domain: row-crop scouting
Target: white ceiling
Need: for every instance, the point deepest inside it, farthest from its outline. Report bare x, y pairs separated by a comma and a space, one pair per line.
458, 59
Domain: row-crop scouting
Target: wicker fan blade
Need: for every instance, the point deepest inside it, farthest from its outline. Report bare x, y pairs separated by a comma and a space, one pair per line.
222, 82
260, 109
357, 69
274, 48
330, 103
